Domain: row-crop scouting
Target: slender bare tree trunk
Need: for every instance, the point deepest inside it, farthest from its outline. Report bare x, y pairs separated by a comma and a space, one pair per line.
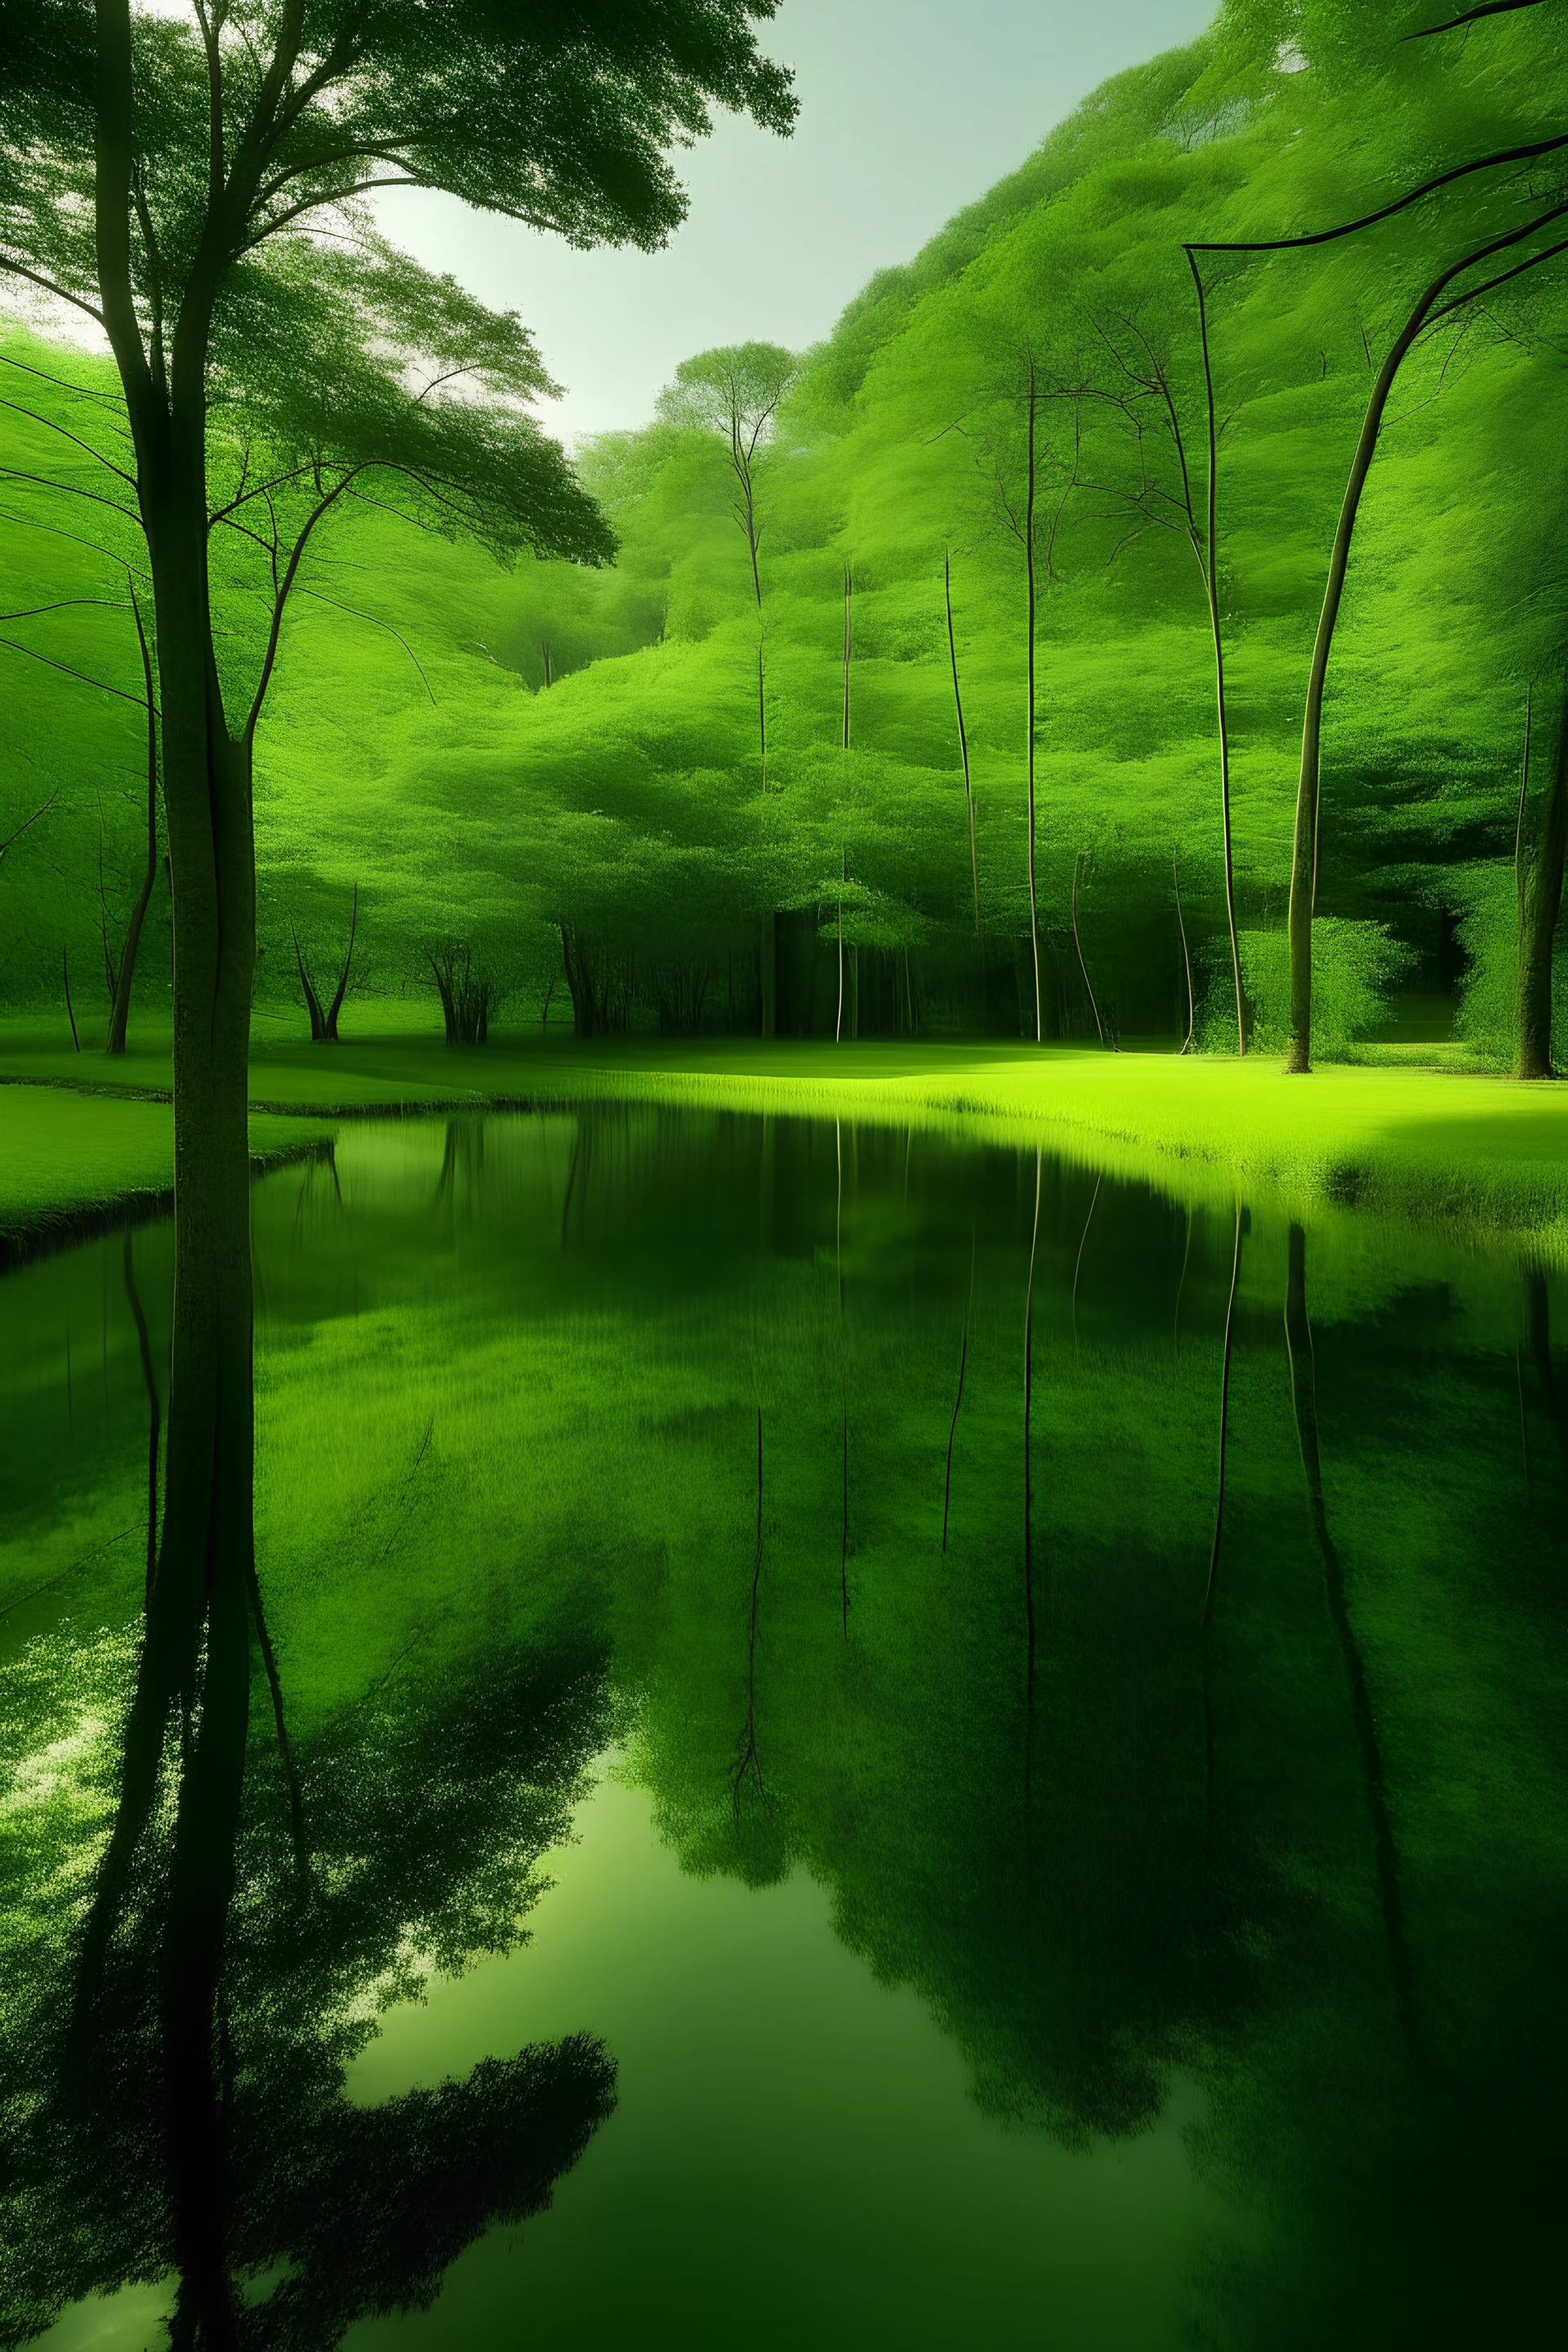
1208, 564
343, 988
70, 1009
1305, 845
308, 990
1305, 851
844, 853
962, 741
1089, 984
1186, 958
844, 877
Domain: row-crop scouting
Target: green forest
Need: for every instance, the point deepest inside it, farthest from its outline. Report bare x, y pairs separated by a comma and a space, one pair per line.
840, 620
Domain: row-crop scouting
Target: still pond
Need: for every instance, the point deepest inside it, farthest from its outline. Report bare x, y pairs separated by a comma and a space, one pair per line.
771, 1818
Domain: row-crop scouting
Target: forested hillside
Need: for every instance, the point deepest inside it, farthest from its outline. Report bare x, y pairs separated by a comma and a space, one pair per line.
771, 769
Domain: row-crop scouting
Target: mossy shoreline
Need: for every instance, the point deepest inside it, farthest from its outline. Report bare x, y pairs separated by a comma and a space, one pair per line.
1421, 1140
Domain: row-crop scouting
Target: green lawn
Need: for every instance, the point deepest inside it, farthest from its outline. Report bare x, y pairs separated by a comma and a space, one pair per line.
1413, 1136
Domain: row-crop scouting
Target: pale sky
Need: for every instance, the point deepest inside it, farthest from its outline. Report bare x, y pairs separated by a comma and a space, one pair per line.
909, 109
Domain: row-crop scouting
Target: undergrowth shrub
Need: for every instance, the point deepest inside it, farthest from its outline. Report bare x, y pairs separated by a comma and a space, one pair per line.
1356, 968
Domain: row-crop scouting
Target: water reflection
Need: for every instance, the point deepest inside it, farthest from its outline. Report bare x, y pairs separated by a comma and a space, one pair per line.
234, 2160
1128, 1603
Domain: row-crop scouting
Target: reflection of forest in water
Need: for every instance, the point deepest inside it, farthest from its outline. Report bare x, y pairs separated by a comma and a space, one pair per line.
644, 1426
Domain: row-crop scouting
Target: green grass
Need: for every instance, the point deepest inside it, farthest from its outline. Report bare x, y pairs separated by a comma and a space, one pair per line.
1422, 1137
66, 1155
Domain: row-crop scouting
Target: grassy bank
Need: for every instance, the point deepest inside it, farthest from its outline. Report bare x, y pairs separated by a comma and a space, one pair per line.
67, 1157
1416, 1137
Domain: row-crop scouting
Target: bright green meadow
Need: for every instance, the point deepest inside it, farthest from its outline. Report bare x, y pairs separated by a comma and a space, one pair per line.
1412, 1135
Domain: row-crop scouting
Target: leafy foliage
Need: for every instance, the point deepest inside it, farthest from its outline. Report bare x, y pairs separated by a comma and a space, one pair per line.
411, 746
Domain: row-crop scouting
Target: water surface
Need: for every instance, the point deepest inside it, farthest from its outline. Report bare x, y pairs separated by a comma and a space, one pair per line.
770, 1818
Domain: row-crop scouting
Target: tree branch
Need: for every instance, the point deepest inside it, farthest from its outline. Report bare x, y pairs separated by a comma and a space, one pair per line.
20, 269
79, 675
353, 610
1471, 16
59, 531
86, 446
67, 489
12, 838
209, 31
154, 275
1370, 220
281, 599
1491, 284
61, 383
61, 605
221, 514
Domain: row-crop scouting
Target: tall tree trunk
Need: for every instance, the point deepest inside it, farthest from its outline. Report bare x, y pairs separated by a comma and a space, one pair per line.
119, 1011
1539, 864
1304, 855
1186, 956
195, 1659
579, 984
70, 1009
844, 877
1089, 984
1208, 564
962, 741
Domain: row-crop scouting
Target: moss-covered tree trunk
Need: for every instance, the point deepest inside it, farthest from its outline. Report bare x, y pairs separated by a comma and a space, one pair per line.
1543, 835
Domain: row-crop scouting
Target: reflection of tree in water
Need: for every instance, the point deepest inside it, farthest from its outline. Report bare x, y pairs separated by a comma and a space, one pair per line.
425, 1812
1258, 1918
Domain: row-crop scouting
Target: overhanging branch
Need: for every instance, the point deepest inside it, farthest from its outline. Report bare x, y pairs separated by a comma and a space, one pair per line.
1471, 16
1371, 220
19, 270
